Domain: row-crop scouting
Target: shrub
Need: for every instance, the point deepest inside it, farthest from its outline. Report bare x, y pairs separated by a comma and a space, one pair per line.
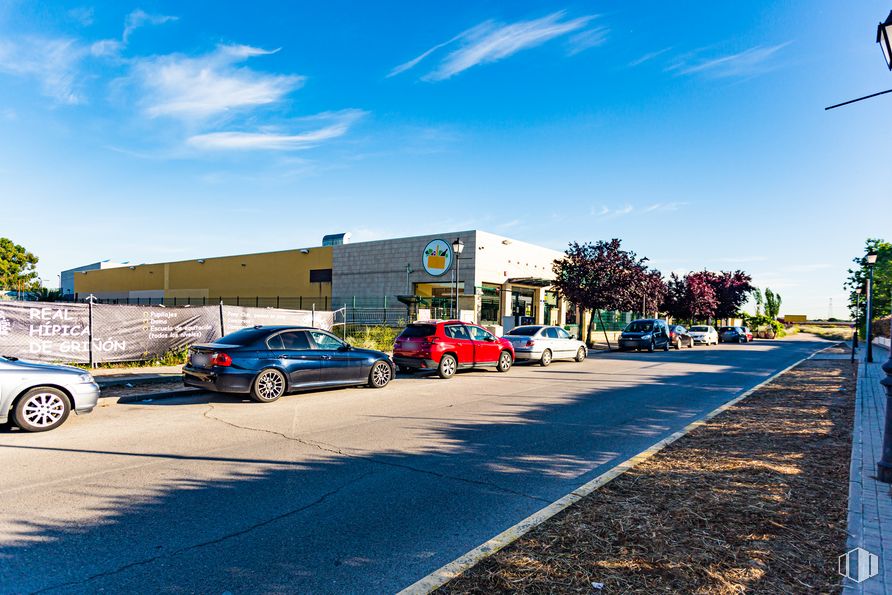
380, 338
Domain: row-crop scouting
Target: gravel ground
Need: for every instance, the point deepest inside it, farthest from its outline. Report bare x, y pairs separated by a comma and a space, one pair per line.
753, 501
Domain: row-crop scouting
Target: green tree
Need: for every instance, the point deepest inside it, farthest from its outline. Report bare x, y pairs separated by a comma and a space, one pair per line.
882, 280
772, 304
17, 267
757, 297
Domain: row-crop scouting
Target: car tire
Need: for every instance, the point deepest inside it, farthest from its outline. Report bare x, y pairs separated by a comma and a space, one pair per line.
505, 361
406, 369
268, 386
666, 346
41, 409
545, 359
678, 344
380, 375
652, 346
690, 344
580, 354
447, 367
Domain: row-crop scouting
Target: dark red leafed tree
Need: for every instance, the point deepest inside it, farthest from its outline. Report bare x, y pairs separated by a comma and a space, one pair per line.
690, 298
731, 291
600, 276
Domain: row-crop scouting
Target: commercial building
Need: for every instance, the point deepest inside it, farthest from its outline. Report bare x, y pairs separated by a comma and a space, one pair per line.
500, 281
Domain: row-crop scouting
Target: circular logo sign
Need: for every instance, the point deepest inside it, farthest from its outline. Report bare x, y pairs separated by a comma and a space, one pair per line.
437, 257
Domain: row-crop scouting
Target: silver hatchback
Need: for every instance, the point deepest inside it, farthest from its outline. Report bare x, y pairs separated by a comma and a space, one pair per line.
38, 397
541, 343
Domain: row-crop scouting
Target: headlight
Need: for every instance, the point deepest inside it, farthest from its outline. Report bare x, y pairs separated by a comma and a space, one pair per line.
646, 336
85, 378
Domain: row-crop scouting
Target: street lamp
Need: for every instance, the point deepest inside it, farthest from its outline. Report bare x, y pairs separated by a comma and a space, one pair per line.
457, 247
858, 291
884, 31
871, 260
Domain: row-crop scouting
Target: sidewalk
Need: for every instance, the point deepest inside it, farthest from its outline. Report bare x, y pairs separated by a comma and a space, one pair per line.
870, 502
121, 376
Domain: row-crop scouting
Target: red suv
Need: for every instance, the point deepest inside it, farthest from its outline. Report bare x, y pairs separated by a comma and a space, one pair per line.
450, 345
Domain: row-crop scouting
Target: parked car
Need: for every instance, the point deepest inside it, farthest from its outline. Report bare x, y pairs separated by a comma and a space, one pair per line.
704, 333
680, 337
543, 344
646, 333
747, 332
447, 346
38, 397
267, 362
733, 334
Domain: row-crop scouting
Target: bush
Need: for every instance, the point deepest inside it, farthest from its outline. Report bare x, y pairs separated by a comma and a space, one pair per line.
764, 327
380, 338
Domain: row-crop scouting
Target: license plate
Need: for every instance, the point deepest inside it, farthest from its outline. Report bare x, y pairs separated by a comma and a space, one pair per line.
200, 360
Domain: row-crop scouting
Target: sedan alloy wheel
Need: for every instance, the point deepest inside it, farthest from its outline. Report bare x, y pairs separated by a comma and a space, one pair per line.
380, 375
42, 409
268, 386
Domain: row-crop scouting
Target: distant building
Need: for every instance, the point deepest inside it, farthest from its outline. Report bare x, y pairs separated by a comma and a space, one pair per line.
67, 277
501, 281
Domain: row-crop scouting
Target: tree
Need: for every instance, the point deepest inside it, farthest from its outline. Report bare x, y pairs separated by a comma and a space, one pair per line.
17, 267
601, 276
655, 289
882, 280
731, 291
757, 296
690, 298
772, 304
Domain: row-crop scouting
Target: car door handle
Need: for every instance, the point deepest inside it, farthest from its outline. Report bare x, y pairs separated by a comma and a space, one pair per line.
326, 357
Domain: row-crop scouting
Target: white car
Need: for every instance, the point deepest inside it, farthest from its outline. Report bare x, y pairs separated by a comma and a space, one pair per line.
703, 333
541, 343
38, 397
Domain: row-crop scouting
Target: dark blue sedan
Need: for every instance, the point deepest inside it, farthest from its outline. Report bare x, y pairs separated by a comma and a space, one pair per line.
269, 361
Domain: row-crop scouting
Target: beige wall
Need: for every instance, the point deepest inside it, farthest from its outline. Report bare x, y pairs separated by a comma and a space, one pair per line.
269, 274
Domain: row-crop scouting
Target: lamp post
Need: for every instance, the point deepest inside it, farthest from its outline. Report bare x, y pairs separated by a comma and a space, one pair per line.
457, 247
855, 325
871, 260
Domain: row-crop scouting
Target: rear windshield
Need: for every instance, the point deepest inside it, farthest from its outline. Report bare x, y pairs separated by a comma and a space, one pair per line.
699, 329
725, 329
418, 330
246, 336
524, 331
640, 326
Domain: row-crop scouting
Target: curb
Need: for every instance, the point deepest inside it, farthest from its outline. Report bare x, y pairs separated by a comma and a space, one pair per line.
167, 394
121, 381
446, 573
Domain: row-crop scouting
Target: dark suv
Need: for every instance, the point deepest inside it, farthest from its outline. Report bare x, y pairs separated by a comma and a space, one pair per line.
647, 333
448, 346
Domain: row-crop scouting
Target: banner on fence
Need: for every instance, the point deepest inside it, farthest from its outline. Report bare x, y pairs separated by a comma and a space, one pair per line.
64, 332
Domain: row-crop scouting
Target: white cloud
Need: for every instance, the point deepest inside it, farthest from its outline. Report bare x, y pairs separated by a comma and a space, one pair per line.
270, 139
588, 39
53, 62
755, 60
605, 212
134, 20
648, 57
138, 18
663, 206
491, 41
196, 88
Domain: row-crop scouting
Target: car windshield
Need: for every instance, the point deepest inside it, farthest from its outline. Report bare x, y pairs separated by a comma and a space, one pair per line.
640, 326
246, 336
699, 329
524, 331
418, 330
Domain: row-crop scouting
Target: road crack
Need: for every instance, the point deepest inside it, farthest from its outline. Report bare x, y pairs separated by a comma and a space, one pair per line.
330, 448
215, 541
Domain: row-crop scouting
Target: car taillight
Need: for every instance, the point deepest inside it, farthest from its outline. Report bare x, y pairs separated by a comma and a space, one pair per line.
672, 334
530, 342
432, 340
221, 359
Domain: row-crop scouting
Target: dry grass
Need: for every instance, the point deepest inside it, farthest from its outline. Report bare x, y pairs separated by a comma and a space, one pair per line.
833, 333
754, 501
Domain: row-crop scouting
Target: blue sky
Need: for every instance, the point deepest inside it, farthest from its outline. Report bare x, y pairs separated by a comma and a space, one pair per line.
694, 132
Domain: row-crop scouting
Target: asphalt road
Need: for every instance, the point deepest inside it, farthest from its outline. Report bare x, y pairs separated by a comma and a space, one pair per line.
351, 490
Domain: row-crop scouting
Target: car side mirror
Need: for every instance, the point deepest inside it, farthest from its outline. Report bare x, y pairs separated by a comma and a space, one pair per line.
490, 338
345, 347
